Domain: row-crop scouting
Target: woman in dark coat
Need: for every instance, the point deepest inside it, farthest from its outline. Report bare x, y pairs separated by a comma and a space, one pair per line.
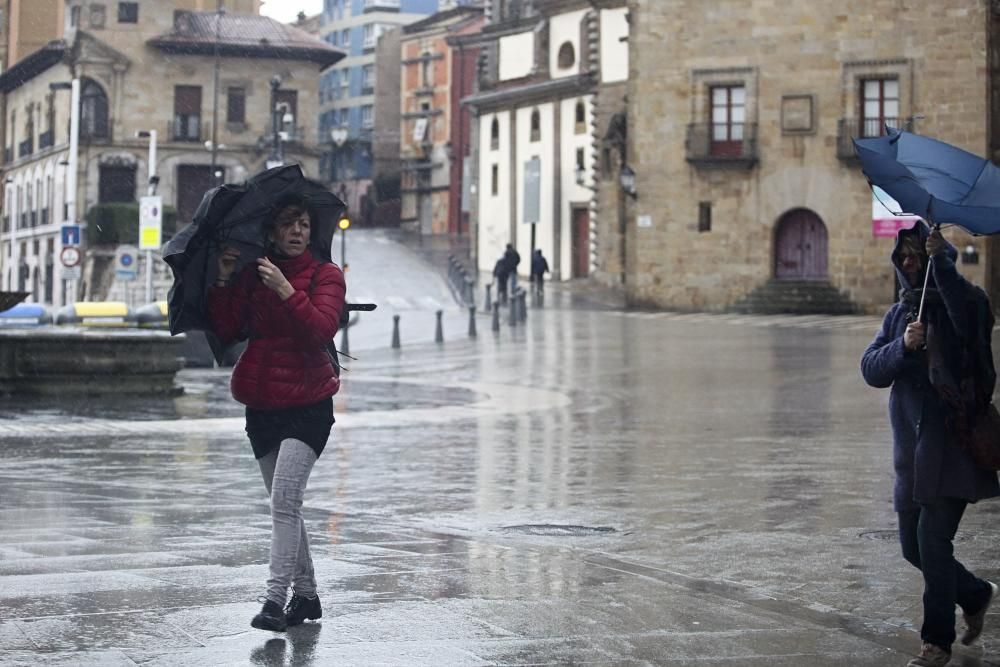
290, 303
935, 477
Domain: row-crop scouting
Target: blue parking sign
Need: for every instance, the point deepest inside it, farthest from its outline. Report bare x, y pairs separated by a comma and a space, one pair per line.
71, 234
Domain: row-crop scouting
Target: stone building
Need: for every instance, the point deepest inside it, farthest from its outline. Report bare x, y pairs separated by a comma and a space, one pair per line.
739, 128
435, 130
551, 79
145, 66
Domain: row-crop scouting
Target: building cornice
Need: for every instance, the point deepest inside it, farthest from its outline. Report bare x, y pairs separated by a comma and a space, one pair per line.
532, 93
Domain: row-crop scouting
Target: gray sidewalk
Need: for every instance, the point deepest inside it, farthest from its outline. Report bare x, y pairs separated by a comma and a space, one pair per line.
597, 487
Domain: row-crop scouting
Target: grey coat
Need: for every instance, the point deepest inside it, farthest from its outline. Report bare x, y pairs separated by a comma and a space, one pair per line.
928, 461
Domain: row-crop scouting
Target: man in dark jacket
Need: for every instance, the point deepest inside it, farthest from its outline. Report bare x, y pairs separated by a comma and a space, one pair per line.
935, 477
513, 258
539, 267
500, 273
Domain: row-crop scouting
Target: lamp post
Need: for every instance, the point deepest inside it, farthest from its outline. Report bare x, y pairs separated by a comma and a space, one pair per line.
344, 224
276, 159
153, 182
73, 166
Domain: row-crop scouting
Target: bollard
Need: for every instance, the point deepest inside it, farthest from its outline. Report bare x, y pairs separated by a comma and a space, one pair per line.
489, 302
496, 316
395, 331
438, 331
344, 345
512, 316
469, 295
472, 321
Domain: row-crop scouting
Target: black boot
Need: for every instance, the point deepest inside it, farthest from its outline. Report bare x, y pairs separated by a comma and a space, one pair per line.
271, 617
301, 608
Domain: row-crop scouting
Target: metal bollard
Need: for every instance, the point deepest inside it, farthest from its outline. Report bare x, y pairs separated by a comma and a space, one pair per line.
438, 331
395, 331
512, 316
496, 316
472, 321
469, 295
489, 302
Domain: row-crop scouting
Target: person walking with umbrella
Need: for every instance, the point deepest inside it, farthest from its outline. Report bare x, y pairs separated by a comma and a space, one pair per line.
289, 303
923, 354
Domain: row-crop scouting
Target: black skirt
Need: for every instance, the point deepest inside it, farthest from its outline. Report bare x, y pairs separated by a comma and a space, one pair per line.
309, 423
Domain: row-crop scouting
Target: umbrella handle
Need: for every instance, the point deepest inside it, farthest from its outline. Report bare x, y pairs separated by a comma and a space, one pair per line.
927, 276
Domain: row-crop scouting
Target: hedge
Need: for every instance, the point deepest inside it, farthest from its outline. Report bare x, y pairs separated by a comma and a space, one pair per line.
118, 223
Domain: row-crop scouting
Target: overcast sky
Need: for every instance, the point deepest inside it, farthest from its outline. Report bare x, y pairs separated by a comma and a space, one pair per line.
286, 10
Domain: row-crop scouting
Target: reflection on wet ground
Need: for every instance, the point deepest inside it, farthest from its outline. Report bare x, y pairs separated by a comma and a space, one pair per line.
704, 496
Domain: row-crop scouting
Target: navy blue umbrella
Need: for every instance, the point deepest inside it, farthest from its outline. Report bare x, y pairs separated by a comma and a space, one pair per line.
943, 184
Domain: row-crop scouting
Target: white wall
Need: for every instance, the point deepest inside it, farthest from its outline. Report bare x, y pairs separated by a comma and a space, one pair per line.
494, 211
517, 55
614, 52
526, 149
574, 194
565, 28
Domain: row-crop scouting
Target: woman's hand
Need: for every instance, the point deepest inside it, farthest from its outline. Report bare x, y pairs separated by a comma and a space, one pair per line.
273, 278
935, 243
913, 337
227, 263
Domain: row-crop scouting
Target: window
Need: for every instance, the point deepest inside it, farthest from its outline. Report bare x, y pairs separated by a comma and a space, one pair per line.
536, 126
117, 183
879, 105
369, 36
704, 216
187, 113
567, 55
495, 180
128, 12
236, 103
345, 38
93, 111
367, 117
495, 134
367, 79
426, 70
74, 16
345, 83
728, 117
580, 119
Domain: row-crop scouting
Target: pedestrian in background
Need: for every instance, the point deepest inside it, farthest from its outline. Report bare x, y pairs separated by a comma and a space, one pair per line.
925, 362
290, 304
539, 267
513, 258
500, 273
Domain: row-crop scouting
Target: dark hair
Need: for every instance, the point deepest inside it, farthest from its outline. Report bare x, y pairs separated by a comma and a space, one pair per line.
291, 205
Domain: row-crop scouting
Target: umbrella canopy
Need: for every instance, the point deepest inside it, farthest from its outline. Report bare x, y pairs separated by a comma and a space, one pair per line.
937, 181
238, 215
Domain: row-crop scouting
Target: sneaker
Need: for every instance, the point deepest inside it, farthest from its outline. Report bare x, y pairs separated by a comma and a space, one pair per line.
974, 622
300, 608
930, 656
271, 617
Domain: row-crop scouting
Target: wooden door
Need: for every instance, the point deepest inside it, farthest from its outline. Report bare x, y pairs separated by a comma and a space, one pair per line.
581, 242
800, 247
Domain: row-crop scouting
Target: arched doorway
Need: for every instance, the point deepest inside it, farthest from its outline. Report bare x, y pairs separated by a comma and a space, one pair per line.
800, 246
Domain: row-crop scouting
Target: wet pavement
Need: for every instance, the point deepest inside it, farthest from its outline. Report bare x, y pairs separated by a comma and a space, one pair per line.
596, 487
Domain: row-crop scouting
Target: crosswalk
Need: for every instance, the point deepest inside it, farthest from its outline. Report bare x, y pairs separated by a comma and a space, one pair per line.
866, 323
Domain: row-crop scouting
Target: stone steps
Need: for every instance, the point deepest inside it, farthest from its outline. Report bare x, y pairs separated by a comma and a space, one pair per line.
803, 297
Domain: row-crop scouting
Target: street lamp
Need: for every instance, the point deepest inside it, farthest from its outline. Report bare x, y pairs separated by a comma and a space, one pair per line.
344, 223
277, 157
627, 180
74, 157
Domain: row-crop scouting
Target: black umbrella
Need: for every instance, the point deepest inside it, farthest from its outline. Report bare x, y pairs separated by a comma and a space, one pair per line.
237, 215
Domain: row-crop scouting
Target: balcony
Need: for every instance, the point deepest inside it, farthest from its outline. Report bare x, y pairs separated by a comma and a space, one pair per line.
381, 5
849, 129
46, 140
705, 150
45, 216
26, 147
186, 128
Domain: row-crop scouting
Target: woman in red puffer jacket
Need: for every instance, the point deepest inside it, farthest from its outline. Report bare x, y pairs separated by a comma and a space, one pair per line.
290, 304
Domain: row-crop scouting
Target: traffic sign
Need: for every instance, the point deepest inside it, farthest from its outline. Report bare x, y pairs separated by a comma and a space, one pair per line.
126, 258
70, 256
150, 222
71, 234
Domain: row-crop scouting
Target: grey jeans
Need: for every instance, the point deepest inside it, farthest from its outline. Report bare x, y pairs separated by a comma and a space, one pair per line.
286, 472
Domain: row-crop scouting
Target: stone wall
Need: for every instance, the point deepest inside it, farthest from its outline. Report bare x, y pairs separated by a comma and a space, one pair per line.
783, 54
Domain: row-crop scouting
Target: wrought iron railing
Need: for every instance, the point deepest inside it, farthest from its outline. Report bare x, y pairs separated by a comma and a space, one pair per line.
734, 144
849, 129
46, 140
26, 147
